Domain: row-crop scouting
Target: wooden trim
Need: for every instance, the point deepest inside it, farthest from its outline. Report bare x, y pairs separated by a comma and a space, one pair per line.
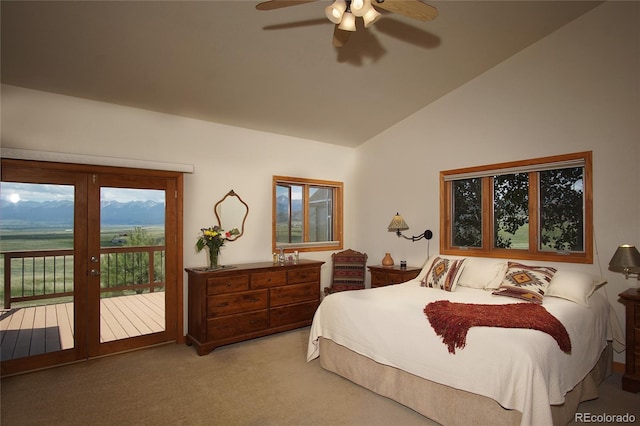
533, 253
82, 177
520, 163
445, 216
338, 211
305, 213
179, 320
87, 168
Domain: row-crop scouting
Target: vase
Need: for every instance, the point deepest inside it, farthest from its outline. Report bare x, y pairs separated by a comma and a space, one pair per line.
213, 257
387, 260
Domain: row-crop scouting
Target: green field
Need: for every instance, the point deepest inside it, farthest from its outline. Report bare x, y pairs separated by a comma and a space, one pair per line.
46, 238
520, 239
59, 271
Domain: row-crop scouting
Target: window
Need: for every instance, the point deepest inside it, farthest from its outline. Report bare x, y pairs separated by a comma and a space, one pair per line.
307, 214
537, 209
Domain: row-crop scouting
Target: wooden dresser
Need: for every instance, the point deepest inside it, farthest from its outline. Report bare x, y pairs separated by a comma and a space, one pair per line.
385, 275
631, 377
250, 300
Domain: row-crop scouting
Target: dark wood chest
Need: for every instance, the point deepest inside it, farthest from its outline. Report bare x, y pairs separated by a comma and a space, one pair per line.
250, 300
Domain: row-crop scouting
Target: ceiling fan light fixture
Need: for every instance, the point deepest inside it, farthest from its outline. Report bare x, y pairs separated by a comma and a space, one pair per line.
335, 11
371, 17
348, 22
360, 7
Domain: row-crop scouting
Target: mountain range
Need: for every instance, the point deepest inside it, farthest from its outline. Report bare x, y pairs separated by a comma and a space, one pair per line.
60, 213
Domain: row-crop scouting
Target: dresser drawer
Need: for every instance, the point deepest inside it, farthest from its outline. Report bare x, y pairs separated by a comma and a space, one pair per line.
294, 293
303, 275
219, 285
292, 314
234, 303
240, 302
268, 279
233, 325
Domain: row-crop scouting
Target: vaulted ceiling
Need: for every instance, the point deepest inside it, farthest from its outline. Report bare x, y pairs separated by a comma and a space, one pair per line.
274, 71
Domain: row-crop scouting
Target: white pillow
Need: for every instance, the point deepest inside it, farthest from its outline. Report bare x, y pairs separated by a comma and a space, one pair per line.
574, 286
483, 273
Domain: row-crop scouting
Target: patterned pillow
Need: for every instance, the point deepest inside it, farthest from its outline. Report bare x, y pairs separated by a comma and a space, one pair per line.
444, 274
526, 282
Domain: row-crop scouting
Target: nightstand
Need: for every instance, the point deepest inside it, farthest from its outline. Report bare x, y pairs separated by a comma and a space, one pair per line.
386, 275
631, 377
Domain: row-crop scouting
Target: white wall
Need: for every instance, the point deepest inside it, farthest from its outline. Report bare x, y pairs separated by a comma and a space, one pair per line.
224, 158
576, 90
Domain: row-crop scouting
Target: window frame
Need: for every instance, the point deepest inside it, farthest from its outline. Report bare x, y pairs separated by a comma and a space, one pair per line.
533, 167
338, 213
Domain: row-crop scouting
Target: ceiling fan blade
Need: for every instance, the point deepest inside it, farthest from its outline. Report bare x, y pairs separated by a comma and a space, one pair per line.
278, 4
340, 37
298, 24
412, 8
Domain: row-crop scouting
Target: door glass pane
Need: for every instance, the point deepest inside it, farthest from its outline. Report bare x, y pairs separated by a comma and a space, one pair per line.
36, 239
132, 262
562, 210
467, 213
511, 211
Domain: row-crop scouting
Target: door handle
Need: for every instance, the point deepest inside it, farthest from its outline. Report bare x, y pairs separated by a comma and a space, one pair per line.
95, 272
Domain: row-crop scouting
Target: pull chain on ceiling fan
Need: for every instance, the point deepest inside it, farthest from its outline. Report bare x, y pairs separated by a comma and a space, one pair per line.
343, 13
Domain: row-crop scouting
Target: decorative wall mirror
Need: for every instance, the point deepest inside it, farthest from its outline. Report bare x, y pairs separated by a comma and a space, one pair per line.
231, 212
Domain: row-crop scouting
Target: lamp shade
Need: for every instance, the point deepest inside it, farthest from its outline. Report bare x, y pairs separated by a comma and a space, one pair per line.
348, 22
370, 17
360, 7
625, 259
335, 11
398, 224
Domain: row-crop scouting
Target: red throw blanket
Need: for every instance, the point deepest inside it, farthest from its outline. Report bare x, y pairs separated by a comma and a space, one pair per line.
451, 321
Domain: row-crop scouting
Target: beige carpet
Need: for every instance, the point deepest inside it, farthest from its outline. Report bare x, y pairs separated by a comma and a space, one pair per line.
261, 382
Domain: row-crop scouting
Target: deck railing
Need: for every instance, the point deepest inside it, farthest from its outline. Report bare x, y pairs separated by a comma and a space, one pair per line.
47, 274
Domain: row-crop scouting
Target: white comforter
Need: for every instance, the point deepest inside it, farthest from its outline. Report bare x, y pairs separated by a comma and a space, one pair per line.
521, 369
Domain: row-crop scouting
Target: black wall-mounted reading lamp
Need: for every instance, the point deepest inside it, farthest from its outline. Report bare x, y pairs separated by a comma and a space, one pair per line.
398, 225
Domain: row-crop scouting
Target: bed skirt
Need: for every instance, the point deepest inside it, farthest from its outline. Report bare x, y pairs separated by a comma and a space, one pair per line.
444, 404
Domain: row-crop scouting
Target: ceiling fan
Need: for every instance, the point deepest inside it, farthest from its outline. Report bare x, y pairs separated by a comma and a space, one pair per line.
343, 13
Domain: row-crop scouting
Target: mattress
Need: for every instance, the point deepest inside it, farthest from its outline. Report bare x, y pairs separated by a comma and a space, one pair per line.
520, 369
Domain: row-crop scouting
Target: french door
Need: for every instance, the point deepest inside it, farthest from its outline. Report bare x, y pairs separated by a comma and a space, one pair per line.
91, 261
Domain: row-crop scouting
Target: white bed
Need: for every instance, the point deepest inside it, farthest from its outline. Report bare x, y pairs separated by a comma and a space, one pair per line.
523, 370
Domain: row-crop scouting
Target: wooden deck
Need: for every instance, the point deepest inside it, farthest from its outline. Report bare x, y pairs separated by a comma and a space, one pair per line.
49, 328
